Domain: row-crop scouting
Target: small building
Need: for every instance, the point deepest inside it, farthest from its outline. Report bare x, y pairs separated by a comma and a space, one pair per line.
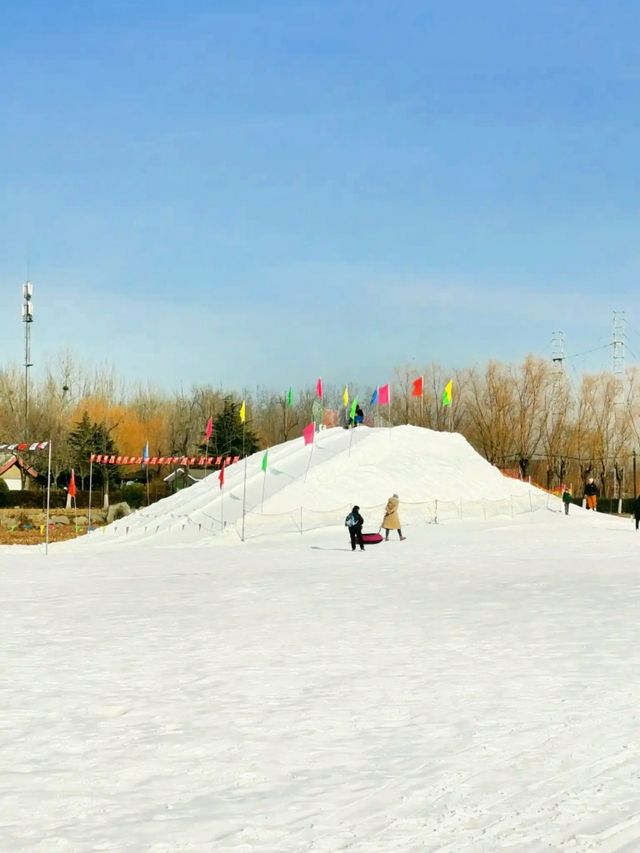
181, 477
11, 468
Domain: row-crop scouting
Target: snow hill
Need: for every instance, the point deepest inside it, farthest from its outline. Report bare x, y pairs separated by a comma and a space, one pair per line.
437, 475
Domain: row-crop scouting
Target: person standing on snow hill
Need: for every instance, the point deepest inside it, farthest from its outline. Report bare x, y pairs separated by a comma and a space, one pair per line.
391, 520
567, 499
591, 494
354, 522
636, 511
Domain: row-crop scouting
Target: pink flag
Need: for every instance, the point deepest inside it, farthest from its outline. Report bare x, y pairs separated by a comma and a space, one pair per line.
383, 395
319, 388
308, 433
208, 429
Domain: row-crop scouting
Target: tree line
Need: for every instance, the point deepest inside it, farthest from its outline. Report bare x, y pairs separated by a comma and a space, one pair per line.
530, 417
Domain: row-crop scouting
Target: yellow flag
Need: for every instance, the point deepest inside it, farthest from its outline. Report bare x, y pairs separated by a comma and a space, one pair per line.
447, 394
345, 397
243, 413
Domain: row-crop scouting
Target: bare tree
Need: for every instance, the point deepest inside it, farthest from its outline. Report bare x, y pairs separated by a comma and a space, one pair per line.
557, 428
527, 416
489, 400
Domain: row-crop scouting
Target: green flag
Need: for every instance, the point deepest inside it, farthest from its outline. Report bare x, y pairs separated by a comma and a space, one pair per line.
265, 461
290, 397
447, 394
354, 406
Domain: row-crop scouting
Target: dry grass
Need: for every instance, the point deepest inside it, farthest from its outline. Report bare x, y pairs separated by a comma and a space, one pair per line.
57, 533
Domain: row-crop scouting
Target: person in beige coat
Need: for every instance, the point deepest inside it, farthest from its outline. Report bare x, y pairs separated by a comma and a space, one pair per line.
391, 520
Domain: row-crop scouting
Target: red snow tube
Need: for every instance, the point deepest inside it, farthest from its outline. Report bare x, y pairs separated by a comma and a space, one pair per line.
371, 538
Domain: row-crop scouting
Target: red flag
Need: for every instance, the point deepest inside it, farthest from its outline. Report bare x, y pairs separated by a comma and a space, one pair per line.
221, 476
308, 433
417, 387
383, 395
319, 388
72, 485
208, 429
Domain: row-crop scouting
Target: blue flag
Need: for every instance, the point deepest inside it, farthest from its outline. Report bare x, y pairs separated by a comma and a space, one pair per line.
145, 453
374, 398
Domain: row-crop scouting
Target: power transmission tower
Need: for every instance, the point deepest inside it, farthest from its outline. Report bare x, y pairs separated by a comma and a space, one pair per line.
619, 322
617, 354
557, 405
557, 351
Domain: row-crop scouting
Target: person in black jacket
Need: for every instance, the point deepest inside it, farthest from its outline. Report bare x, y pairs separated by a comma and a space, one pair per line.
636, 511
591, 494
354, 522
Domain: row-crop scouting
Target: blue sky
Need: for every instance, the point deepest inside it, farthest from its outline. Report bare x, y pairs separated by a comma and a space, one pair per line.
247, 193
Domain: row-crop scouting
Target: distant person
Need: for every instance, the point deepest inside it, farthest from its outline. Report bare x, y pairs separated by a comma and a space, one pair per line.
354, 522
591, 494
636, 511
359, 416
567, 499
391, 520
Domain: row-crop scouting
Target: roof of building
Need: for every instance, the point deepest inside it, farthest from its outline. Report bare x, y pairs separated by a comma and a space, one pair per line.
9, 460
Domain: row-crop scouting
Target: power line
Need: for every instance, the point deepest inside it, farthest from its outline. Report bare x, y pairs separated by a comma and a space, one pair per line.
588, 351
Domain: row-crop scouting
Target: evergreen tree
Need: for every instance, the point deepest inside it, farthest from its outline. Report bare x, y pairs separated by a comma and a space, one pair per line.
227, 437
90, 437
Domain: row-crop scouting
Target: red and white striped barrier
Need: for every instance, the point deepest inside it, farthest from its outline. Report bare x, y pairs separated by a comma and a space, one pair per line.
197, 461
25, 445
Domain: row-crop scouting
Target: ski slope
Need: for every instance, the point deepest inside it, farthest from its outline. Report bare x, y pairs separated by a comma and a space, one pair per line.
473, 688
437, 475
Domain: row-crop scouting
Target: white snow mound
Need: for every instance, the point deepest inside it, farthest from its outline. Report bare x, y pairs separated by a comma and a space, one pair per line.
437, 476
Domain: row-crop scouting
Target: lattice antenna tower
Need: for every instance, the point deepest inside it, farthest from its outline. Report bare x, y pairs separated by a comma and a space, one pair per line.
617, 349
27, 319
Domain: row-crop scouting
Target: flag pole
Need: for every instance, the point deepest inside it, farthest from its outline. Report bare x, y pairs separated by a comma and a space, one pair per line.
207, 436
264, 479
46, 539
309, 435
90, 487
345, 400
224, 459
320, 392
244, 485
222, 505
286, 407
309, 462
422, 401
352, 417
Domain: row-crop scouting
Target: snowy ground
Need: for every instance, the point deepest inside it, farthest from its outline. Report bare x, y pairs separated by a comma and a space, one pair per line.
474, 688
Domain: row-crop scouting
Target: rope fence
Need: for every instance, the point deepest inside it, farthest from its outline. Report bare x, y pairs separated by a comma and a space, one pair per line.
191, 527
303, 520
